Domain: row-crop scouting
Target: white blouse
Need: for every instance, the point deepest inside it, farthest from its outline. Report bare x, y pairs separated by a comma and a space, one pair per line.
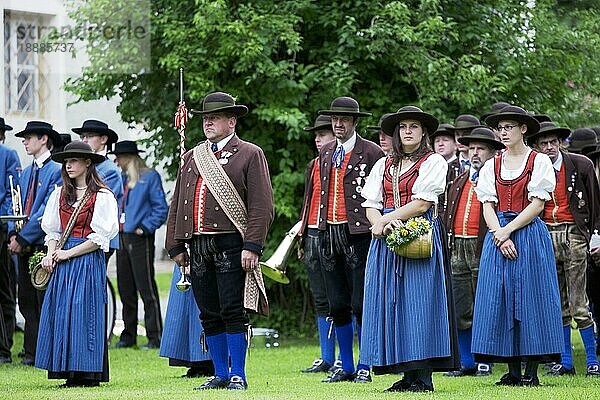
104, 224
430, 182
542, 183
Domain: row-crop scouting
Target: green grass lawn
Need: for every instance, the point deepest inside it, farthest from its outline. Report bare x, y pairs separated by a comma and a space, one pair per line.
272, 374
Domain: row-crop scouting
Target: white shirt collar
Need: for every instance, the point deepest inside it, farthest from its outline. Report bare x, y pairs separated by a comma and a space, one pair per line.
103, 151
349, 144
451, 159
42, 159
558, 161
221, 143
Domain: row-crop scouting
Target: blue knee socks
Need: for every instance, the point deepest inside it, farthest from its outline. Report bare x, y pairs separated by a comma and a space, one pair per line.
327, 344
217, 347
567, 356
464, 344
345, 335
236, 342
587, 337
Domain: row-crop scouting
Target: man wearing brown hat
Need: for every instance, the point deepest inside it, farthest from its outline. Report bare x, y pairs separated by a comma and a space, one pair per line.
444, 143
221, 209
344, 229
309, 246
101, 138
572, 215
466, 230
9, 174
463, 125
38, 181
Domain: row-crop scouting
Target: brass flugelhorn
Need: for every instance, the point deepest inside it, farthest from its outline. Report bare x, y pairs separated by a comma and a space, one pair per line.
17, 206
274, 267
183, 284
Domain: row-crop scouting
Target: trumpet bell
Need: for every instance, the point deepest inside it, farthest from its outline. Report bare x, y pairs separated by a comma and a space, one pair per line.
274, 273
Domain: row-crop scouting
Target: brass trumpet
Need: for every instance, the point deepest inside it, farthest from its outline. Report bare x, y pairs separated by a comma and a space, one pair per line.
17, 206
274, 267
183, 284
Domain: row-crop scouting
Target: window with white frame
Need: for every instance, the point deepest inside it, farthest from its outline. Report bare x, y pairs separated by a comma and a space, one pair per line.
21, 64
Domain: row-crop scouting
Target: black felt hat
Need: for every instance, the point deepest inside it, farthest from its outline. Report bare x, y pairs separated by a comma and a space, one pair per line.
376, 128
126, 147
443, 130
515, 113
98, 128
591, 151
3, 126
549, 128
344, 106
482, 134
78, 149
388, 125
40, 128
221, 102
542, 118
580, 138
496, 107
467, 122
322, 122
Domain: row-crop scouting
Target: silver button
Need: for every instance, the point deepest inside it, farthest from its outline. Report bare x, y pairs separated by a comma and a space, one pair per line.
321, 219
322, 192
353, 196
189, 169
325, 178
185, 202
321, 206
215, 225
357, 223
356, 210
185, 217
186, 234
188, 185
217, 208
349, 166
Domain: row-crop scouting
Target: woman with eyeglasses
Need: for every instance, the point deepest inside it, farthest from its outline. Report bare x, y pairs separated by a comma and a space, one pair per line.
517, 316
72, 341
409, 324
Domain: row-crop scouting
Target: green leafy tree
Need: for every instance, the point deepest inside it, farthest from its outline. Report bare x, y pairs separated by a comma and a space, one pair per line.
290, 58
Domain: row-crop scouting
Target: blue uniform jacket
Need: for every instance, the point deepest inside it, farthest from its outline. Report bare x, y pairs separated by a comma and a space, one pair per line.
110, 174
145, 204
48, 178
9, 165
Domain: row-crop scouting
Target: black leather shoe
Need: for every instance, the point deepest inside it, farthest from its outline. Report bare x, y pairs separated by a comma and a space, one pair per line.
123, 345
150, 346
319, 365
5, 360
419, 386
484, 369
200, 371
363, 376
336, 365
560, 370
30, 362
462, 372
593, 370
340, 376
530, 381
237, 383
509, 380
214, 382
80, 383
399, 386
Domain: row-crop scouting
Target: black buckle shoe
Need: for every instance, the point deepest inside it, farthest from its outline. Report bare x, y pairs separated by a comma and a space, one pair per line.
123, 345
319, 365
214, 382
337, 364
237, 383
530, 381
560, 370
399, 386
462, 372
340, 376
200, 371
509, 380
484, 369
593, 370
363, 376
419, 386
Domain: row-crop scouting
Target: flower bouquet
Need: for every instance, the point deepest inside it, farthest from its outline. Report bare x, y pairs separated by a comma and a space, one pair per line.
413, 239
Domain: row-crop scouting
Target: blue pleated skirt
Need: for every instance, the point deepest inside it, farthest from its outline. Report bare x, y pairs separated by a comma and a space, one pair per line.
408, 312
517, 312
182, 328
71, 335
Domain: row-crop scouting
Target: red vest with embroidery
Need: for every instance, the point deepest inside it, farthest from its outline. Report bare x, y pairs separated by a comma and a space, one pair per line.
512, 194
315, 199
405, 182
557, 208
82, 226
468, 211
336, 213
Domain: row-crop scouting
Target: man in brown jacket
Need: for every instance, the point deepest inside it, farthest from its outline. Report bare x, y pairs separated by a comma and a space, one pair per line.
344, 229
466, 230
572, 215
221, 210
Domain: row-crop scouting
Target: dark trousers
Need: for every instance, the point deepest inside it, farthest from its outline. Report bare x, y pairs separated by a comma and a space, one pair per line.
30, 304
218, 282
315, 272
135, 273
343, 259
8, 287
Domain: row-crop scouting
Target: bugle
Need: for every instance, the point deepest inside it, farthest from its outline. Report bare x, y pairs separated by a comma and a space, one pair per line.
274, 268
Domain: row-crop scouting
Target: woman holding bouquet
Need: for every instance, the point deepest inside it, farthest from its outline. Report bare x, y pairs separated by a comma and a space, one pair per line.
408, 320
517, 315
71, 339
